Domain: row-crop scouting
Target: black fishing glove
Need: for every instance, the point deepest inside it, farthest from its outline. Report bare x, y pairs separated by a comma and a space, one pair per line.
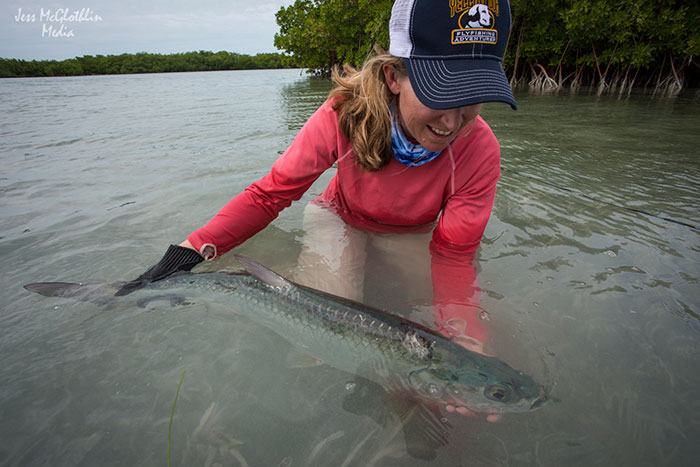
176, 259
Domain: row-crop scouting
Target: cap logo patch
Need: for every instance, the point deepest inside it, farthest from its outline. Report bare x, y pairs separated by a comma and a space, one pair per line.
476, 21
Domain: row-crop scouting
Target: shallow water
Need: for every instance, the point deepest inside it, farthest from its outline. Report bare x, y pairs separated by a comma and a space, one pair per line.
590, 267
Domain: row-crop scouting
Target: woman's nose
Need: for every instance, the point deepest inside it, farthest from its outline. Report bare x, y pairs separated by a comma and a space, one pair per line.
452, 118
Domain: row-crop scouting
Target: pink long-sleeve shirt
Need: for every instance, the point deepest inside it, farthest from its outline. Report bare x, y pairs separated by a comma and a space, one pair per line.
453, 195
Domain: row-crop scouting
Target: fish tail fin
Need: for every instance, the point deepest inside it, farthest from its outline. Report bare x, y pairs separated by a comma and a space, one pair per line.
56, 289
263, 274
73, 290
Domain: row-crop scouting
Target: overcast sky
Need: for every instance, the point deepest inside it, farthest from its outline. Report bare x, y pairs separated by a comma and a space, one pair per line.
45, 29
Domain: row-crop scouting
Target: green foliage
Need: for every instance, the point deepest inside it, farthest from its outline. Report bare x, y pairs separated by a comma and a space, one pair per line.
560, 38
543, 34
608, 37
140, 63
319, 34
564, 37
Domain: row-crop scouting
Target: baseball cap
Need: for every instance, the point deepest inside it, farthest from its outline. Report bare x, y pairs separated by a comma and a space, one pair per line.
453, 50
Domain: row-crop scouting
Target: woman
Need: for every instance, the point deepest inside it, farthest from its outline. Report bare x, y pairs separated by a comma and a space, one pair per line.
412, 154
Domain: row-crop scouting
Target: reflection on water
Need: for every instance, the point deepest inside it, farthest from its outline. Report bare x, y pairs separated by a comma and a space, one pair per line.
589, 270
302, 97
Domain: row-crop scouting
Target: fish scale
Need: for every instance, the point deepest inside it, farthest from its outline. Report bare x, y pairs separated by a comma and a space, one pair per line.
308, 311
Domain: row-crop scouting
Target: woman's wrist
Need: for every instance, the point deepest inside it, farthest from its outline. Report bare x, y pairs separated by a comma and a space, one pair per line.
207, 251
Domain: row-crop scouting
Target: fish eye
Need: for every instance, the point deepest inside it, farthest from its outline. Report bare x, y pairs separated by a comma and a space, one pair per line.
498, 392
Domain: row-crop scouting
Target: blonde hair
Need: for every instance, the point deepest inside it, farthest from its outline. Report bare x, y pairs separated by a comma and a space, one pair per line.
363, 101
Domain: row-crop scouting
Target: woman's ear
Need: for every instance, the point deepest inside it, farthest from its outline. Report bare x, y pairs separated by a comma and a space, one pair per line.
392, 78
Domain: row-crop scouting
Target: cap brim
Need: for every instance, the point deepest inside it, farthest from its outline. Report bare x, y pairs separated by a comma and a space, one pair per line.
446, 84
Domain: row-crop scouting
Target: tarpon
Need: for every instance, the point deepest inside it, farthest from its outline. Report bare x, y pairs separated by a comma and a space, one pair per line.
347, 335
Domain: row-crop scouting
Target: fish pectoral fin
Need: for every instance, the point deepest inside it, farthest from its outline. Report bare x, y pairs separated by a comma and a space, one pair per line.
424, 427
300, 359
367, 398
425, 431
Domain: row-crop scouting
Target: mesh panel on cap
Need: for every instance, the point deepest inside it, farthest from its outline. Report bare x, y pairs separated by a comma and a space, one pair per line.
400, 44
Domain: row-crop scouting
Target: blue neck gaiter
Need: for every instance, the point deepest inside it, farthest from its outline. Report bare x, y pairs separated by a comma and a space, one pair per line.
406, 152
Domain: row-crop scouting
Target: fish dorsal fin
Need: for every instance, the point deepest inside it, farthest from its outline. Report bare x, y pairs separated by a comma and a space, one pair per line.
263, 274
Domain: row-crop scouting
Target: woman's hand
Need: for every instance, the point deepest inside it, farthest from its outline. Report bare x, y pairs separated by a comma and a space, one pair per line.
457, 328
177, 258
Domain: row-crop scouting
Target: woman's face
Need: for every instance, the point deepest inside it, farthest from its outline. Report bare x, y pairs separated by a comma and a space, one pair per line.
433, 129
